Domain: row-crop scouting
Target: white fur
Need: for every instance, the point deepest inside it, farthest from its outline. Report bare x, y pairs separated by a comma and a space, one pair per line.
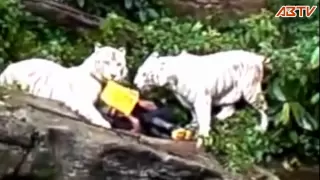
77, 87
199, 82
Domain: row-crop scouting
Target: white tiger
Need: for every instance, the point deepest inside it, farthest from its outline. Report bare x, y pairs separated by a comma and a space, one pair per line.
199, 82
77, 87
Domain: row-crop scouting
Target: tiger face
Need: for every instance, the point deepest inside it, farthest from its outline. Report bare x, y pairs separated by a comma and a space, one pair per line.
151, 73
110, 63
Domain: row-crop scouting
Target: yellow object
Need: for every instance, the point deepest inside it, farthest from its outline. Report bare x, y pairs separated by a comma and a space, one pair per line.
181, 134
188, 135
178, 134
119, 97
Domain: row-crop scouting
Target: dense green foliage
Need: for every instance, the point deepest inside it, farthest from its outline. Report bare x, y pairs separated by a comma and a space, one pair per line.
293, 92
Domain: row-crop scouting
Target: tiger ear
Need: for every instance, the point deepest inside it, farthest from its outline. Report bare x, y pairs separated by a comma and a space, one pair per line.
155, 54
183, 52
97, 46
173, 80
122, 49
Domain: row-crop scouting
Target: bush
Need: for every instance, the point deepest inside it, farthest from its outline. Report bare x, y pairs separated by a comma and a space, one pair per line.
292, 92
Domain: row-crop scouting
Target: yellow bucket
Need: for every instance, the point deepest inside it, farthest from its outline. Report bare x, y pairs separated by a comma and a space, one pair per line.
119, 97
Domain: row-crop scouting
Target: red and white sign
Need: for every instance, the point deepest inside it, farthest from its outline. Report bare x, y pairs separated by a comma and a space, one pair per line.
296, 11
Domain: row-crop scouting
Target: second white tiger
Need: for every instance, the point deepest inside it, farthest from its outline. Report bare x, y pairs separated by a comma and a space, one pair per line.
77, 87
199, 82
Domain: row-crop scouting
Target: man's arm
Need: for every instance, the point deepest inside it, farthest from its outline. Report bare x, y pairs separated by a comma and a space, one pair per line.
113, 113
146, 104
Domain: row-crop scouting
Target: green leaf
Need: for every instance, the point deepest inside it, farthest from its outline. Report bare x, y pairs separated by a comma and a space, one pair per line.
142, 16
81, 3
176, 48
303, 80
297, 110
277, 92
315, 98
314, 61
256, 34
312, 122
247, 38
197, 26
128, 4
152, 13
285, 113
303, 118
293, 136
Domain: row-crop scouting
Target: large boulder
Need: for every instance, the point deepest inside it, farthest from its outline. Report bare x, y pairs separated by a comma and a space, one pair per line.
217, 10
42, 138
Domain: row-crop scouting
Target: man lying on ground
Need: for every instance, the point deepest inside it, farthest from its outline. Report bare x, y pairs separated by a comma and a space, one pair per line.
148, 118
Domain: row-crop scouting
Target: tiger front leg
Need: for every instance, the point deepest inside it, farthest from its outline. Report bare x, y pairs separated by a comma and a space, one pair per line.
202, 107
89, 111
255, 97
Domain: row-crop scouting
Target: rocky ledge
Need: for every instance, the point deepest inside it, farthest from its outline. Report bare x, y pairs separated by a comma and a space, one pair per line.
40, 138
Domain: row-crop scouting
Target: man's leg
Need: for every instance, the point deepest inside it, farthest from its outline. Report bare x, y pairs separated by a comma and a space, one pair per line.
159, 118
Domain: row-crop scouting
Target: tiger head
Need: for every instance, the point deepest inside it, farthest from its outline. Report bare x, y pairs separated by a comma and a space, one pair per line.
152, 73
108, 63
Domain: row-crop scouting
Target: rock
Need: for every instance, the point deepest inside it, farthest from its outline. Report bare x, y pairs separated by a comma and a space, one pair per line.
215, 10
62, 14
43, 139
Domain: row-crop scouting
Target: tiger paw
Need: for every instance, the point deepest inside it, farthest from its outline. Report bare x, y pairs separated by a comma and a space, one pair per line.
182, 134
